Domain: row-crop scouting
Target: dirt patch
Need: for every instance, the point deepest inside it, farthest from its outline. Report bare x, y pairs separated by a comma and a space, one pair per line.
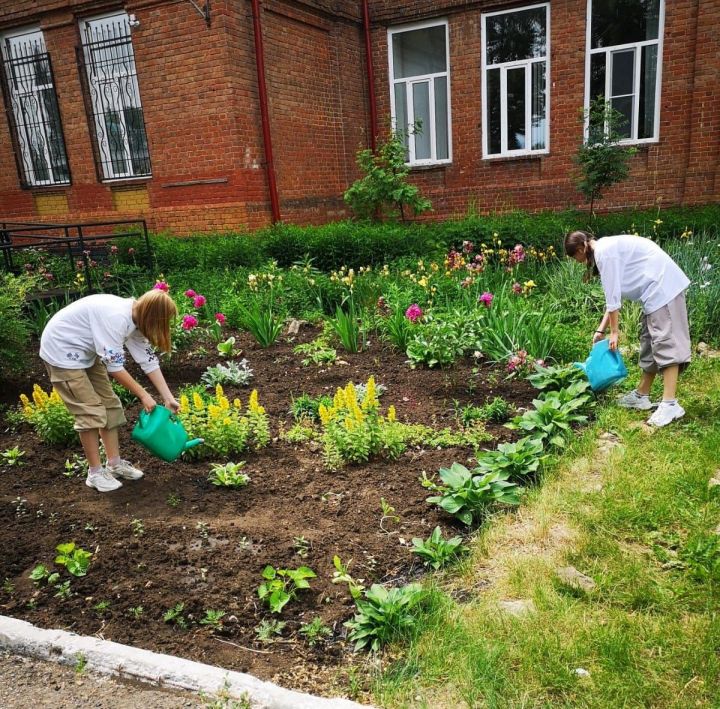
209, 550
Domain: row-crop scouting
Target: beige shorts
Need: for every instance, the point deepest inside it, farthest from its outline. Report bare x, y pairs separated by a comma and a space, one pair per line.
665, 337
88, 395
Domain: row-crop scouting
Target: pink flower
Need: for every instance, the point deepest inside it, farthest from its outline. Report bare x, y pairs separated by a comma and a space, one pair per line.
540, 362
517, 255
113, 249
219, 318
468, 247
189, 322
199, 301
516, 288
486, 299
414, 313
80, 265
190, 293
131, 251
161, 285
466, 282
48, 276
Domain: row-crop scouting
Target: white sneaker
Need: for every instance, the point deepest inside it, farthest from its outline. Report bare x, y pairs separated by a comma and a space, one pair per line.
666, 413
125, 470
102, 481
633, 400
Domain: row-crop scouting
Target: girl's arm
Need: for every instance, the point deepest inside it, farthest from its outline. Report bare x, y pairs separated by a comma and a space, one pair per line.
123, 377
158, 380
614, 319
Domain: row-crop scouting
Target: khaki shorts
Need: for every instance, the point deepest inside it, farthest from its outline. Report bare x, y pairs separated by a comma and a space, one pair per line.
88, 395
665, 337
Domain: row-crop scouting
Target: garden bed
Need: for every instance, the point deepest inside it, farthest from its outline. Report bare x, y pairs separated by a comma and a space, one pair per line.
206, 547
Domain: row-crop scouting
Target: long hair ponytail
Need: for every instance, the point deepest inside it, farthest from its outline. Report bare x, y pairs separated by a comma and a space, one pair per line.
580, 241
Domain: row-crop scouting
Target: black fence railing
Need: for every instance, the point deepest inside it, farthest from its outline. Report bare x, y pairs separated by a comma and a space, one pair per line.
79, 242
33, 113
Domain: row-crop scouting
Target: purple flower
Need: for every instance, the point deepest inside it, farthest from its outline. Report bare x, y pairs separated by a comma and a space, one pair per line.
189, 322
516, 288
486, 299
467, 247
190, 293
161, 285
199, 301
219, 318
414, 313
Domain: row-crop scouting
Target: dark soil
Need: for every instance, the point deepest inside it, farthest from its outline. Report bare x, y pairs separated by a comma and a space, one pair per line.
290, 495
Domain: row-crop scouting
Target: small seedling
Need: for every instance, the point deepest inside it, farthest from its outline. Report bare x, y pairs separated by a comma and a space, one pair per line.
80, 663
213, 619
174, 500
12, 456
174, 615
228, 475
227, 348
90, 527
75, 559
388, 513
101, 607
302, 546
75, 466
21, 506
315, 632
137, 611
281, 585
63, 590
268, 629
8, 587
436, 551
137, 526
203, 530
342, 575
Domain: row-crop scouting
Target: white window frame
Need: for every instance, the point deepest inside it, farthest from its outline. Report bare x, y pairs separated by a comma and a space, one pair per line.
637, 47
429, 79
109, 173
32, 35
527, 64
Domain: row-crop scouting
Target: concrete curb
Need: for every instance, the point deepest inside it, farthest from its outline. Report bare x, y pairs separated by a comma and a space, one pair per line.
106, 657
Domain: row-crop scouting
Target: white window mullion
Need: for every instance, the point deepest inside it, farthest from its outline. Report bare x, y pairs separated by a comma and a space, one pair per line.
528, 106
503, 111
637, 61
410, 120
431, 114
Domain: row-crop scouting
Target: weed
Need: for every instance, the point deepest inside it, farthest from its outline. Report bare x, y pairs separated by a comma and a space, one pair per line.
342, 575
75, 559
137, 611
315, 631
203, 530
267, 630
80, 663
101, 607
77, 466
316, 352
436, 551
21, 506
63, 591
213, 619
388, 513
173, 500
175, 616
302, 546
8, 587
137, 526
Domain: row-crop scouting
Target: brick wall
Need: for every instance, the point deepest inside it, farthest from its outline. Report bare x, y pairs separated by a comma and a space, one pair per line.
199, 92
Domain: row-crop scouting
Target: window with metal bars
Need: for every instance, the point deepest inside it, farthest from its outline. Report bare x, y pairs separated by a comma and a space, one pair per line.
117, 115
33, 110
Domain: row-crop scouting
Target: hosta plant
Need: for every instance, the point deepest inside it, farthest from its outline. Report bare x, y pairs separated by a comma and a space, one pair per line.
467, 494
282, 585
75, 559
516, 460
224, 426
554, 378
384, 615
435, 344
234, 373
552, 418
436, 551
354, 431
49, 416
228, 475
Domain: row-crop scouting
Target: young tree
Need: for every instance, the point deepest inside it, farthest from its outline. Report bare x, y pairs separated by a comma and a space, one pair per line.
383, 192
602, 160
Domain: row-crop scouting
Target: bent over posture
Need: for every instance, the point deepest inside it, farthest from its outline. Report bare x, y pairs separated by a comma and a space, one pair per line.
84, 343
637, 269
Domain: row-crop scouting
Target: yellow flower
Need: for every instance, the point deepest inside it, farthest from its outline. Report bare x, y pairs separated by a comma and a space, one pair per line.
198, 403
227, 421
237, 404
349, 424
184, 403
350, 395
219, 391
253, 404
370, 401
423, 282
391, 415
324, 414
214, 412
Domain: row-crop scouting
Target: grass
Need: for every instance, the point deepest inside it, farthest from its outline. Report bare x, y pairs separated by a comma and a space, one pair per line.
647, 634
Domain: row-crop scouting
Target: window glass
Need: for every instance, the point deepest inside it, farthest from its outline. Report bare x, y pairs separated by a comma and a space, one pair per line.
441, 118
419, 52
538, 106
516, 108
648, 80
421, 113
493, 111
616, 22
512, 36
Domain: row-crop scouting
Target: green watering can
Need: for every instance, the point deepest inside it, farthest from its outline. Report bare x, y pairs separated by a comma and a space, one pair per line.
162, 434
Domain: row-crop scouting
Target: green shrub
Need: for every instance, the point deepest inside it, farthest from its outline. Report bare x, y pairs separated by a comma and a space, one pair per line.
15, 330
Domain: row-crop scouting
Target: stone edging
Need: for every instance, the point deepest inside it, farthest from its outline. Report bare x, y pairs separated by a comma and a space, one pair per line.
107, 657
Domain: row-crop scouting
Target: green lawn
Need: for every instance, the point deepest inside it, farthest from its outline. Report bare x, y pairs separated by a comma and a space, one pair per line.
639, 519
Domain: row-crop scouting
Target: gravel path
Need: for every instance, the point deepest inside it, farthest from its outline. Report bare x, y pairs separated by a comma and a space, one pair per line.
33, 683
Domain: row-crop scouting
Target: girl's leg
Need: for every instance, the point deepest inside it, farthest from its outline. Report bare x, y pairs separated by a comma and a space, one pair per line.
110, 441
646, 382
91, 446
670, 380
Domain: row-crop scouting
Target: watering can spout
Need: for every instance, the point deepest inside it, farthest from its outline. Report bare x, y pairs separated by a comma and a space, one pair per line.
193, 443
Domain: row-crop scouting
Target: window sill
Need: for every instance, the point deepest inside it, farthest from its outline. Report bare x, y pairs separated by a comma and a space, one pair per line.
430, 168
127, 181
45, 189
515, 158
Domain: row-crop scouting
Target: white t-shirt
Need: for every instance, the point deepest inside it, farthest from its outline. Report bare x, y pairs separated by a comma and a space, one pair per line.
635, 268
96, 326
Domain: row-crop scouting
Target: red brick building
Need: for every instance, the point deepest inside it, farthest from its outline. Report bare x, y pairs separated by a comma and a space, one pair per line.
152, 108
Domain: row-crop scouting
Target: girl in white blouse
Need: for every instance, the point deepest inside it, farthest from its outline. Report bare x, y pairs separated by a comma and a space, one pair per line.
635, 268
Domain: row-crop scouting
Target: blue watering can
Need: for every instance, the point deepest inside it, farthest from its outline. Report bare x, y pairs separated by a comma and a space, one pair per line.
162, 434
604, 367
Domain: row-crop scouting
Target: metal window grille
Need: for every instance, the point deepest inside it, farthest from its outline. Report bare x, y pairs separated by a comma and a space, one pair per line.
33, 111
117, 114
